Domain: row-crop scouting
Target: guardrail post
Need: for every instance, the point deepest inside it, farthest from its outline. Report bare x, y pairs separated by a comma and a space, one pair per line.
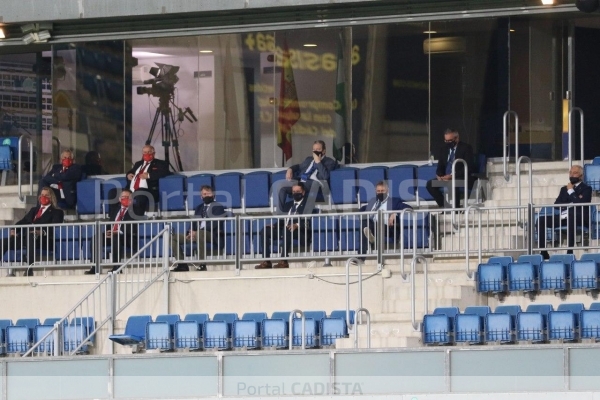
413, 268
358, 312
530, 229
379, 238
505, 143
239, 243
291, 322
112, 308
166, 245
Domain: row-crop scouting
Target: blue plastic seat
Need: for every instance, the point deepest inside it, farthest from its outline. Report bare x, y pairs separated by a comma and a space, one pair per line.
591, 256
590, 324
468, 328
594, 306
367, 178
159, 336
591, 174
146, 232
531, 327
522, 276
342, 314
584, 275
350, 233
246, 334
566, 259
343, 185
450, 312
401, 180
135, 331
257, 185
172, 192
284, 315
535, 259
255, 316
437, 329
275, 333
228, 189
89, 197
199, 318
512, 310
76, 332
217, 335
491, 278
424, 174
311, 332
419, 222
227, 317
188, 334
325, 234
18, 339
47, 346
499, 327
562, 326
575, 308
332, 329
482, 311
553, 276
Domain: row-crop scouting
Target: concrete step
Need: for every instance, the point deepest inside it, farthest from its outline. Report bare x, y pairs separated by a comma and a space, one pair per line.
379, 342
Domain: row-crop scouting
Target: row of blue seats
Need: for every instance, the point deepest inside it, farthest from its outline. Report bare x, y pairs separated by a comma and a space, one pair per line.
20, 337
226, 331
561, 273
540, 323
236, 190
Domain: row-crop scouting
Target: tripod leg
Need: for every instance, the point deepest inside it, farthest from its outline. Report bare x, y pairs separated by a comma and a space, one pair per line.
153, 127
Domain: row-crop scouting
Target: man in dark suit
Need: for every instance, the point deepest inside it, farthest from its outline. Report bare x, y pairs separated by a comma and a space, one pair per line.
93, 164
117, 235
288, 229
453, 149
63, 178
202, 231
576, 192
32, 238
143, 178
381, 201
313, 170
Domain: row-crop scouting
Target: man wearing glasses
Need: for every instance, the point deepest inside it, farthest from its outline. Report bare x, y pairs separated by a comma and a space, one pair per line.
453, 149
63, 178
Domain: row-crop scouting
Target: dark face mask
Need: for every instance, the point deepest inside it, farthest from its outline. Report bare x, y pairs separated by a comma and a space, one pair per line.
574, 180
380, 196
297, 196
208, 199
318, 153
451, 144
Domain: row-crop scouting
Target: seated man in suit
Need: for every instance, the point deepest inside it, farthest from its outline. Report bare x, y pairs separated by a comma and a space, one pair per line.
576, 192
453, 149
314, 169
93, 164
289, 229
202, 231
33, 239
381, 201
142, 179
117, 235
63, 178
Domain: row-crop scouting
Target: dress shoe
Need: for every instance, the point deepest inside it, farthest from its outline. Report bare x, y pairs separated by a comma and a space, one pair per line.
181, 268
368, 234
282, 264
263, 265
115, 269
545, 255
202, 267
91, 271
28, 272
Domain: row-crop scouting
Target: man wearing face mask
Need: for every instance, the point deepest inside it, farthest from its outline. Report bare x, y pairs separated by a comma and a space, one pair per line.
453, 149
314, 169
576, 192
143, 178
118, 235
381, 201
63, 178
34, 238
290, 229
202, 231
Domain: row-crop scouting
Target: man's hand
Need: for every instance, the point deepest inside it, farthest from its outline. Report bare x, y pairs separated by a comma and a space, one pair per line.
317, 158
289, 174
570, 186
191, 235
108, 233
145, 175
130, 176
292, 227
13, 232
447, 177
392, 219
439, 178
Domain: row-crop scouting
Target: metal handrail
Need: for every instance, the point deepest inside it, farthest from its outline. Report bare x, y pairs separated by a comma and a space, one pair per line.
359, 264
413, 266
291, 324
465, 180
471, 274
404, 211
20, 166
505, 141
528, 160
580, 135
356, 314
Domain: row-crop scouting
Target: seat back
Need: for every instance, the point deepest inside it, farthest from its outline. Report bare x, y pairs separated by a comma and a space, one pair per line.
425, 173
591, 175
437, 329
5, 158
332, 329
227, 317
522, 276
136, 325
594, 306
534, 259
343, 185
254, 316
553, 275
246, 334
584, 275
316, 315
217, 335
566, 259
148, 231
499, 327
30, 323
257, 185
284, 315
401, 180
481, 311
172, 192
561, 325
468, 328
511, 310
350, 232
342, 314
502, 260
275, 333
450, 312
324, 234
590, 324
590, 256
228, 189
159, 335
199, 318
89, 196
491, 277
188, 334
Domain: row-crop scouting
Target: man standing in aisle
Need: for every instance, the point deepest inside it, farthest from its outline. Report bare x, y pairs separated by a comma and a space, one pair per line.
453, 149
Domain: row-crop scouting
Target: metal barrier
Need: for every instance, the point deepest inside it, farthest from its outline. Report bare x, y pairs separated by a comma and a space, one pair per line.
291, 325
357, 315
455, 201
20, 166
505, 141
581, 134
413, 292
103, 303
358, 263
530, 176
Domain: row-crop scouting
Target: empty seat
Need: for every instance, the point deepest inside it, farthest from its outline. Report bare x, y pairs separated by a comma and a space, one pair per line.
590, 324
499, 327
512, 310
284, 315
18, 339
89, 197
172, 191
591, 256
188, 334
437, 329
227, 317
217, 335
535, 259
584, 275
47, 346
160, 333
401, 180
146, 232
228, 189
311, 332
246, 334
350, 233
254, 316
531, 327
562, 326
594, 306
591, 175
324, 234
566, 259
342, 314
424, 174
316, 315
200, 318
491, 278
482, 311
332, 329
135, 331
342, 182
256, 189
553, 276
468, 328
522, 276
275, 333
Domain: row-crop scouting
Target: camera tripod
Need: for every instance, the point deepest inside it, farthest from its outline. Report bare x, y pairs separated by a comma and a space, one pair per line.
167, 129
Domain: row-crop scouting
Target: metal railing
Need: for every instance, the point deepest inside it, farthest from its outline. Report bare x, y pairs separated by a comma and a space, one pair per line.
456, 199
581, 135
358, 263
506, 141
530, 178
413, 291
104, 302
357, 318
293, 314
20, 166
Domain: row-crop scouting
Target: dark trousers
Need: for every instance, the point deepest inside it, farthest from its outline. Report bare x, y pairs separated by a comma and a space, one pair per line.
119, 243
437, 188
29, 242
388, 232
276, 232
553, 222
